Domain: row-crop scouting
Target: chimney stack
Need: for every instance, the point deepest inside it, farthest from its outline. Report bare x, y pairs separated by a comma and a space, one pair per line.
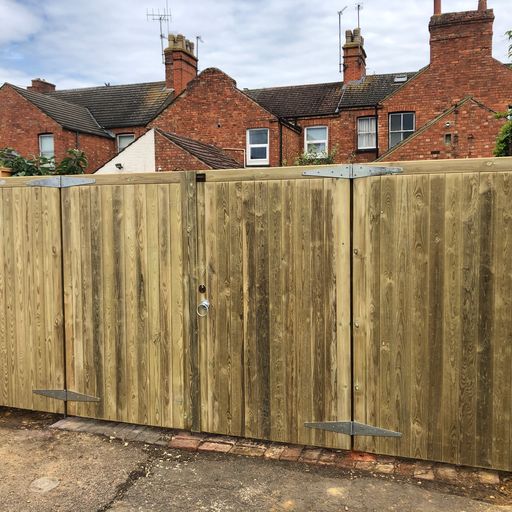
458, 37
41, 85
354, 56
437, 7
180, 63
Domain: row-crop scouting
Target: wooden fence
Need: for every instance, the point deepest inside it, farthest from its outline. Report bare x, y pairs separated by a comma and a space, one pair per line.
384, 300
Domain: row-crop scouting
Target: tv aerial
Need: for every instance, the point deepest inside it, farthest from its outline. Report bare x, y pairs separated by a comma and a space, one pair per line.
163, 17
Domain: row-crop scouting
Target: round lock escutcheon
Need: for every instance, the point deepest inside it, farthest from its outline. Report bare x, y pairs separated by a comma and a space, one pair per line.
203, 308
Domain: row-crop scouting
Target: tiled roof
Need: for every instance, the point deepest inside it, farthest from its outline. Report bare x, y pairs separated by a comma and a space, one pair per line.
212, 156
115, 106
299, 100
326, 99
68, 115
373, 89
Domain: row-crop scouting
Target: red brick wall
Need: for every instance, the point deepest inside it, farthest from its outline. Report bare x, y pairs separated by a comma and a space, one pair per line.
462, 66
214, 111
472, 129
342, 133
169, 157
21, 123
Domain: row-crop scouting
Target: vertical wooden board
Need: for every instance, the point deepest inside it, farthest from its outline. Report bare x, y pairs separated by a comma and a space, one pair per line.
85, 337
220, 321
10, 295
212, 374
142, 336
236, 348
36, 248
4, 357
110, 269
435, 339
289, 277
502, 336
132, 275
469, 317
420, 365
302, 245
387, 299
319, 292
154, 328
250, 333
452, 313
277, 347
121, 290
165, 309
486, 338
261, 348
338, 321
192, 403
366, 296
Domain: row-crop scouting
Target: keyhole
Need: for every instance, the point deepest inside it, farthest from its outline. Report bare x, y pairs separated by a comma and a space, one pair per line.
202, 288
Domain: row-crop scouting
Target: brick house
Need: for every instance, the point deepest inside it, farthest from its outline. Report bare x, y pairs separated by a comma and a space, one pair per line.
101, 121
445, 110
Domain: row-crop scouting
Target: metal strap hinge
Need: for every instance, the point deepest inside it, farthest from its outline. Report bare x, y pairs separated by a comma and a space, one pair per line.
353, 428
65, 395
61, 182
352, 171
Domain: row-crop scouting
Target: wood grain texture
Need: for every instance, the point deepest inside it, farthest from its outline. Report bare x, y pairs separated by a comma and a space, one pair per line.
275, 348
125, 290
31, 313
441, 320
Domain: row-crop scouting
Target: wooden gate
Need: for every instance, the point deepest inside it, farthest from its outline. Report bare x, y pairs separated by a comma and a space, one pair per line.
432, 314
128, 254
31, 314
275, 345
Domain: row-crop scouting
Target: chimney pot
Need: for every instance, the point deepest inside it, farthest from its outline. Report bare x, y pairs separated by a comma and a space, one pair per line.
482, 5
437, 7
180, 63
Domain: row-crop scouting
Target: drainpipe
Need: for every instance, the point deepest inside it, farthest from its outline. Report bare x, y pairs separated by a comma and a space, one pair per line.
376, 132
280, 144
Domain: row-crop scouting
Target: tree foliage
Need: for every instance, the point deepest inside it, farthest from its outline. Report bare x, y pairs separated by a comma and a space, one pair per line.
74, 163
504, 141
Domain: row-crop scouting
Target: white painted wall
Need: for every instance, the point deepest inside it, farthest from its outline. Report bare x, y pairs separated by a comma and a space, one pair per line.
139, 156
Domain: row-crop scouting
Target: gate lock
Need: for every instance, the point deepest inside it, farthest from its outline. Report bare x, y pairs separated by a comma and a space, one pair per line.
203, 308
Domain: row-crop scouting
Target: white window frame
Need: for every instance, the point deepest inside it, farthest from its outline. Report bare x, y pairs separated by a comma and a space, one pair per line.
326, 141
374, 133
46, 136
401, 131
119, 135
249, 146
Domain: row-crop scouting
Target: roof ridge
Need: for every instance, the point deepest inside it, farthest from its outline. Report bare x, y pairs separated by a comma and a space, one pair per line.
104, 87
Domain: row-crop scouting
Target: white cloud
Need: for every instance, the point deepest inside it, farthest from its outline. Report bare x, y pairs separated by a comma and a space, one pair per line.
258, 42
18, 22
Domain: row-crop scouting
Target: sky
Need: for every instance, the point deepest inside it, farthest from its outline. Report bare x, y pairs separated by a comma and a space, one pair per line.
259, 43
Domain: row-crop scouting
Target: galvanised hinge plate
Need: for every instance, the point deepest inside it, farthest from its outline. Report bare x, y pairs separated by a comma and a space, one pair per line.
353, 428
352, 171
61, 182
65, 395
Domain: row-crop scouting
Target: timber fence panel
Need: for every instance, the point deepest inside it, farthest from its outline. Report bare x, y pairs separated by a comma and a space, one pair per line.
127, 267
432, 292
31, 316
275, 346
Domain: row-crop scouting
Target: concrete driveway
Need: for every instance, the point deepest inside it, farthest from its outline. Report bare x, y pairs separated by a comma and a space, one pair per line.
43, 469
